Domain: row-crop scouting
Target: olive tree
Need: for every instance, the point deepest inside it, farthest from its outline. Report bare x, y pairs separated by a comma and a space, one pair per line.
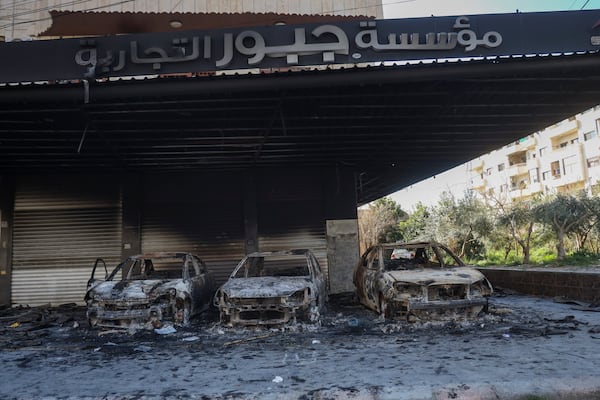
519, 220
378, 222
461, 223
565, 214
415, 226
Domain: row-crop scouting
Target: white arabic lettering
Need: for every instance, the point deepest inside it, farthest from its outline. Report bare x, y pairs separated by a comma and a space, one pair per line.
368, 38
468, 37
178, 48
227, 51
86, 57
328, 40
251, 43
440, 41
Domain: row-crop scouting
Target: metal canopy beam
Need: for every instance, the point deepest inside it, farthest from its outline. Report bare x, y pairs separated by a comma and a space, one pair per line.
394, 125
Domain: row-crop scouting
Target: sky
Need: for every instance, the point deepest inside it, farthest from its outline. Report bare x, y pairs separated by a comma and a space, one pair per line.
455, 180
426, 8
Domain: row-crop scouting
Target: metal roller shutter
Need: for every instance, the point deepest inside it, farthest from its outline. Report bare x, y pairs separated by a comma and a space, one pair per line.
304, 229
205, 218
61, 225
290, 214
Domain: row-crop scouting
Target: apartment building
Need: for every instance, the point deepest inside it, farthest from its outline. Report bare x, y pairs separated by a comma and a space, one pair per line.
563, 158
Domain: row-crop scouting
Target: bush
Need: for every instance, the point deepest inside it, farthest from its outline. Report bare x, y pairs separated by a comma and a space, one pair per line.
496, 257
542, 255
581, 257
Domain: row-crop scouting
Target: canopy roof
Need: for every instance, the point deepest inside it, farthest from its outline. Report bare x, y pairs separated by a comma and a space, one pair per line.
393, 125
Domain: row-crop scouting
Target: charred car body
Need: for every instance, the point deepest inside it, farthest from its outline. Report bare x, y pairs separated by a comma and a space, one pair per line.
151, 289
419, 280
273, 288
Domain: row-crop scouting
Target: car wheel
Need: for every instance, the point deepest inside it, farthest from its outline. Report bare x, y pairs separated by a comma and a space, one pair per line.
384, 310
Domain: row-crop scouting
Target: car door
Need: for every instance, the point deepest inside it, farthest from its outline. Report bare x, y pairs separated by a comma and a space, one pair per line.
318, 278
93, 278
202, 283
365, 277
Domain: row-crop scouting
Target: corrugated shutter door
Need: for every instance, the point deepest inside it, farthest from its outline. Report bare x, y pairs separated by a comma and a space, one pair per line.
290, 214
304, 229
61, 225
205, 218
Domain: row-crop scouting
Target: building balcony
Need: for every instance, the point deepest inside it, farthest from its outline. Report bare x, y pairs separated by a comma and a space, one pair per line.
517, 169
526, 191
523, 144
477, 165
564, 152
561, 128
568, 179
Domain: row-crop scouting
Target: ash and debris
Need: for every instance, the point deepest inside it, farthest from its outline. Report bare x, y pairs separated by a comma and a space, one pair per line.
66, 326
342, 357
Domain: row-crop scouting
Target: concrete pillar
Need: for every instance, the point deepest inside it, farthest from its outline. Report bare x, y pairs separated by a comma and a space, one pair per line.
341, 228
342, 254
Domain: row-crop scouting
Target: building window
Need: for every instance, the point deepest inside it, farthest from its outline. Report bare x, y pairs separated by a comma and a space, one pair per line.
593, 162
534, 175
555, 168
488, 171
545, 175
589, 135
570, 165
500, 167
543, 151
576, 140
504, 188
563, 145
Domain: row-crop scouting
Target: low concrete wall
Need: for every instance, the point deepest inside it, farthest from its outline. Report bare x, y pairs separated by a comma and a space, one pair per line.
575, 285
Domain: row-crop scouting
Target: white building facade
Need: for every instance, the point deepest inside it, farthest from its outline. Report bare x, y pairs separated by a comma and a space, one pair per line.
563, 158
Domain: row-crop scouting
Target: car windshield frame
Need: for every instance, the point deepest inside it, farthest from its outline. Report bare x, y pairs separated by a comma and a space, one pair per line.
432, 250
267, 259
185, 261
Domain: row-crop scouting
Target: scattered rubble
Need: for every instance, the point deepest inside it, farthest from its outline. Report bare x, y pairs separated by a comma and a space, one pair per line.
344, 357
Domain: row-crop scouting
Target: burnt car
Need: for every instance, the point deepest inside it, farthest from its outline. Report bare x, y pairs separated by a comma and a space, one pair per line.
419, 281
145, 291
273, 288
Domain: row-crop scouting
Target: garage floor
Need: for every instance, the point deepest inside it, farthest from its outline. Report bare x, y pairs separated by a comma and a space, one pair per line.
526, 347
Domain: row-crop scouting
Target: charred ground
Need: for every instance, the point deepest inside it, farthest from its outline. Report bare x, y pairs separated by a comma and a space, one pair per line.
523, 345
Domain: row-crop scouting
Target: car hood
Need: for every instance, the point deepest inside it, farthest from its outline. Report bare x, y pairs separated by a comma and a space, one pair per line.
265, 286
460, 275
146, 289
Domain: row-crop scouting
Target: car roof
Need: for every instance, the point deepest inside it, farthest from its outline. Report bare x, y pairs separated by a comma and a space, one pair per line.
161, 254
410, 244
289, 252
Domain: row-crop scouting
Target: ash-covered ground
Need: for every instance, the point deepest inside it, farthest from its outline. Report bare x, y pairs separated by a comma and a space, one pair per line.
524, 348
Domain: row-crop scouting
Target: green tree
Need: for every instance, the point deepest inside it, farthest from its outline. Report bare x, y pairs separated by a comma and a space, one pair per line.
519, 219
378, 223
565, 214
462, 224
414, 227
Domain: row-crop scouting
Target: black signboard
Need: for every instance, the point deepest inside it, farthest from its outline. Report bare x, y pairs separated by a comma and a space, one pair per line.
268, 47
